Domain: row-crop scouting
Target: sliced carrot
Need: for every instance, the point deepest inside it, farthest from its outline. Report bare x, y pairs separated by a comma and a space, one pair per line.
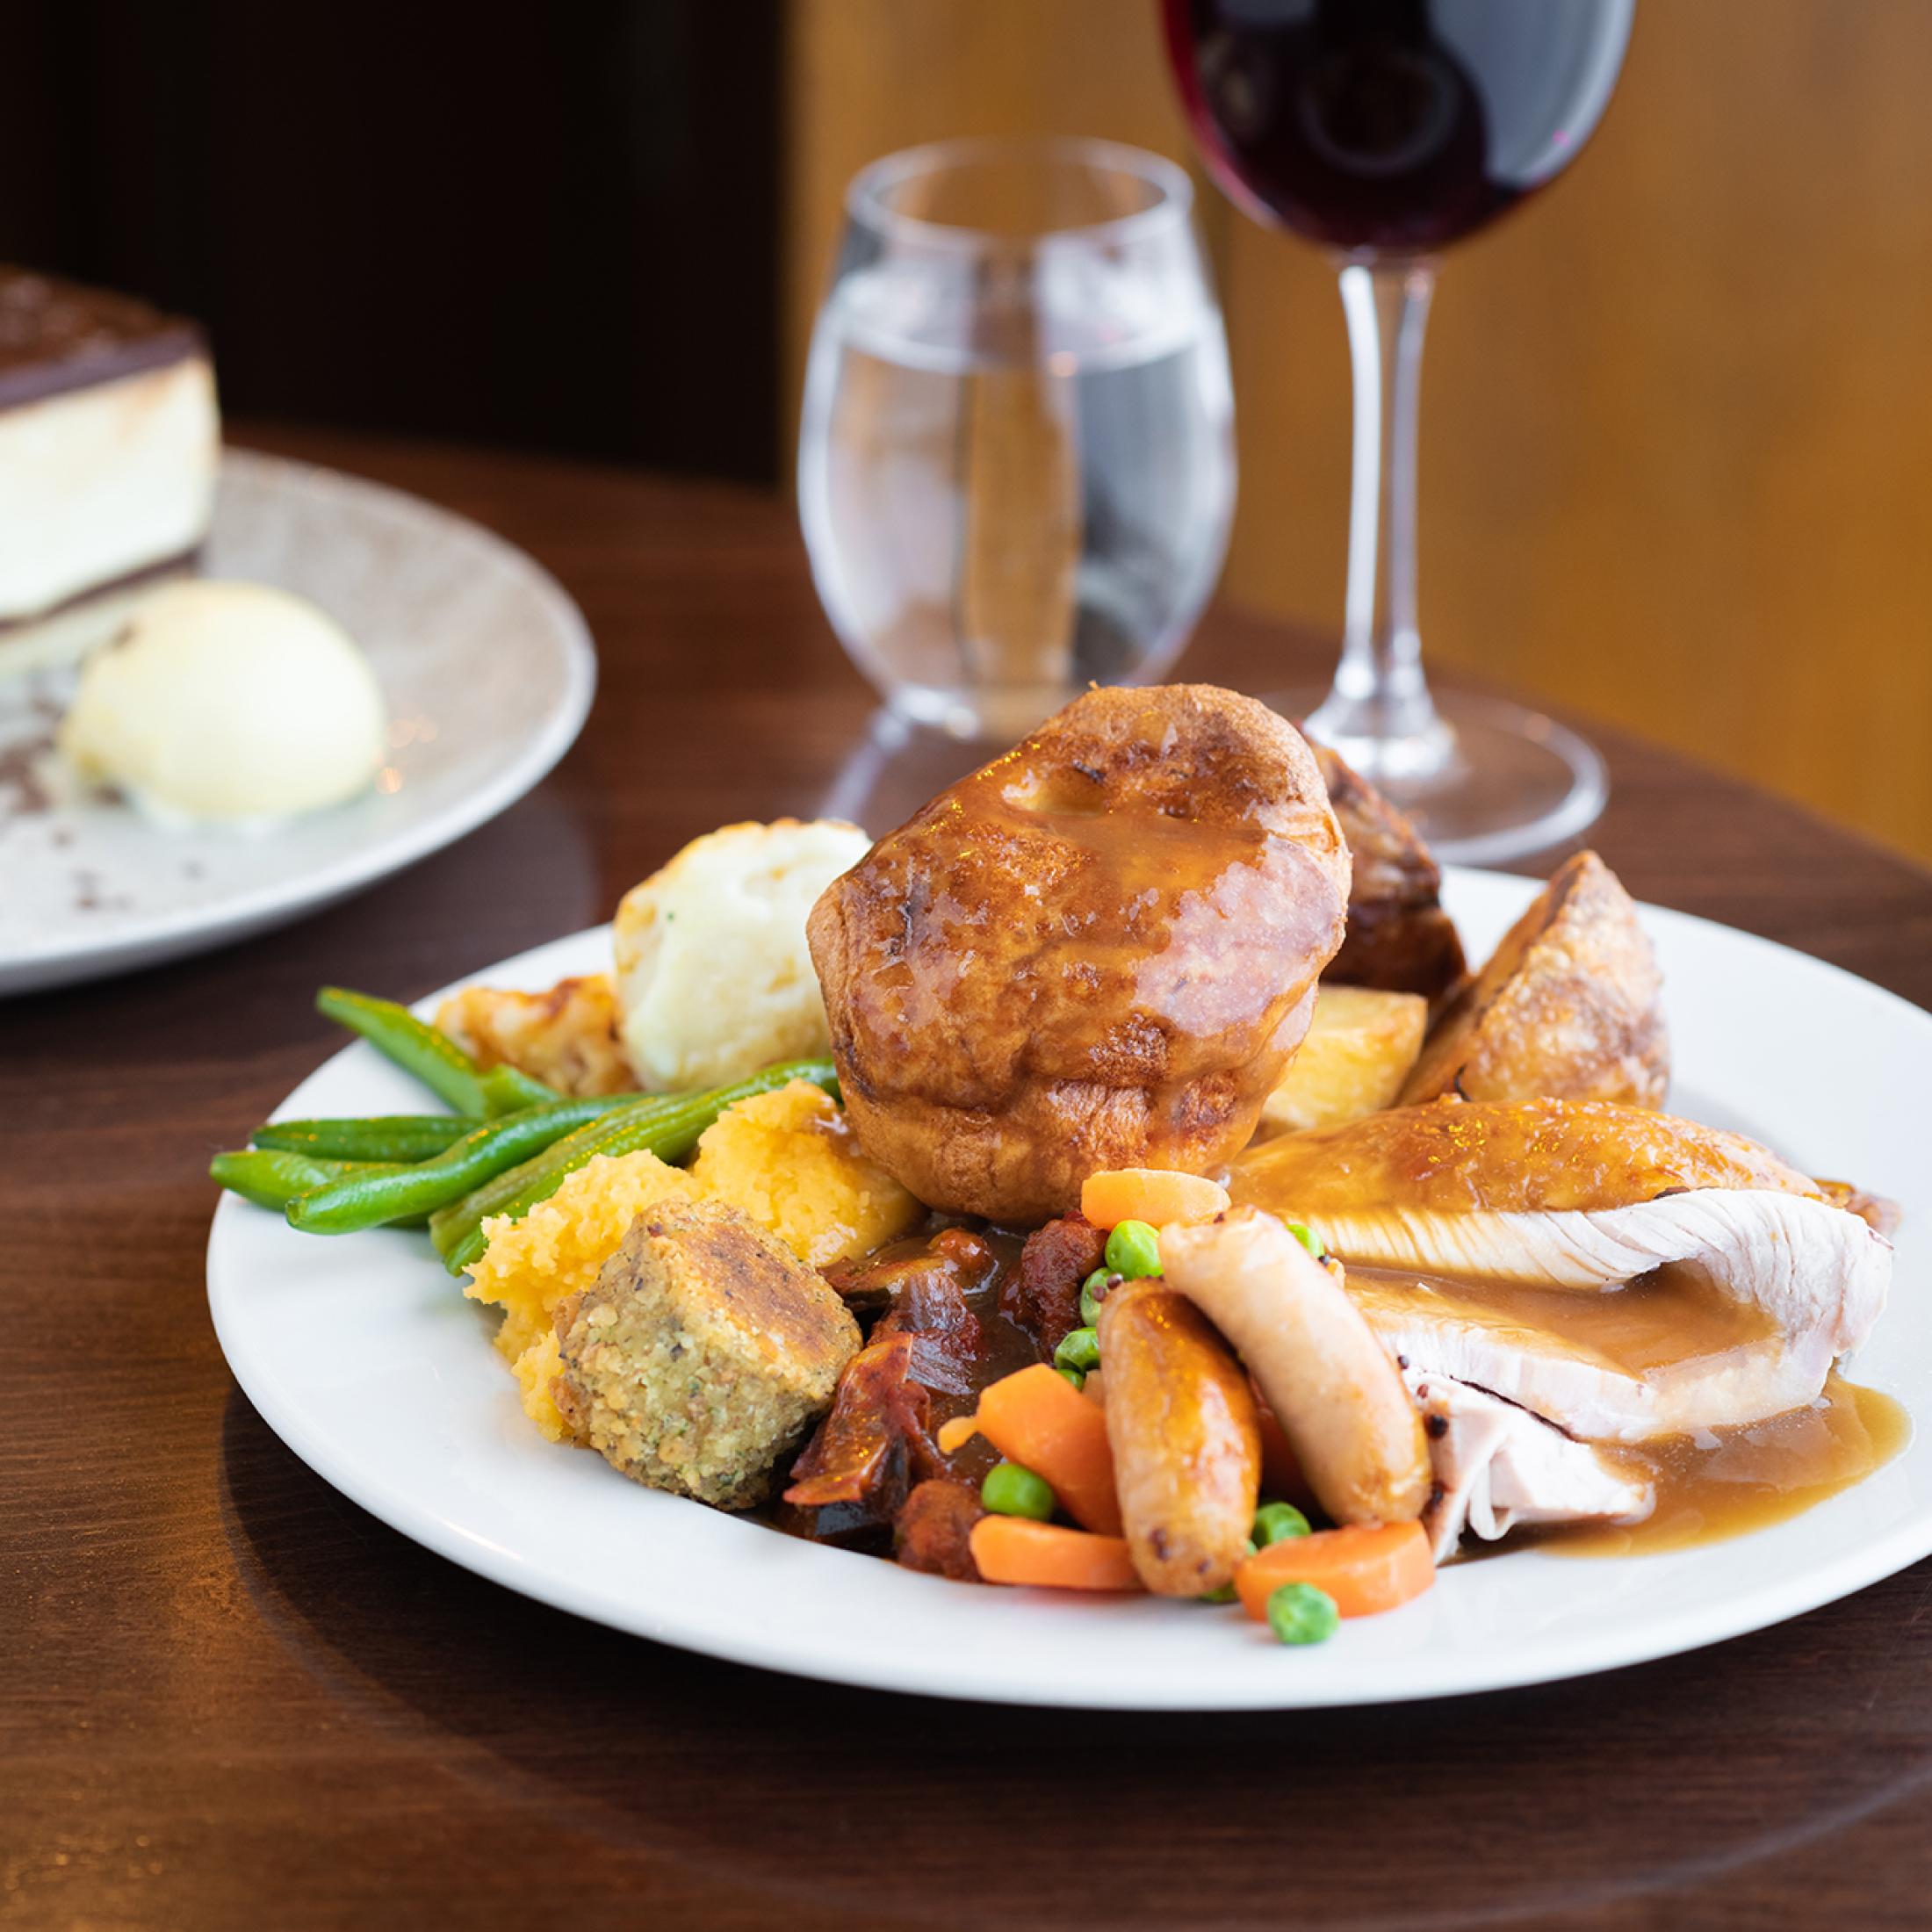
956, 1433
1010, 1549
1366, 1568
1152, 1194
1038, 1418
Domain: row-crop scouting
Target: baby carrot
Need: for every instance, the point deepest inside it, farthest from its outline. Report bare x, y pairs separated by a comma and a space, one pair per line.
1365, 1566
1152, 1194
1037, 1419
1010, 1549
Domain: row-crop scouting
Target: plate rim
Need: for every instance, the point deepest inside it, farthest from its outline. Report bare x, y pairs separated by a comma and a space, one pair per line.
1715, 1619
161, 936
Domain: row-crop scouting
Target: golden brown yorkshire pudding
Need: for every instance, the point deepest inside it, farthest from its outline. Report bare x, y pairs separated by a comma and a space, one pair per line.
1097, 951
1568, 1007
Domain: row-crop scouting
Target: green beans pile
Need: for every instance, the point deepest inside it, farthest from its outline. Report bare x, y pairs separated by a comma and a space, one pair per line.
665, 1124
510, 1142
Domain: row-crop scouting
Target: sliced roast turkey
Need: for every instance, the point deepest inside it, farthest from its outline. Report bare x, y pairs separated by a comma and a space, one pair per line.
1498, 1467
1621, 1274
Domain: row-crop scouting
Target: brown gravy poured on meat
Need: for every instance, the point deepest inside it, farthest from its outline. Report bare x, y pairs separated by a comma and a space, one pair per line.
1710, 1486
1659, 1320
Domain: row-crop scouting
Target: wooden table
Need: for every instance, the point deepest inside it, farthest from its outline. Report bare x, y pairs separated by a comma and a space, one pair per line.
228, 1697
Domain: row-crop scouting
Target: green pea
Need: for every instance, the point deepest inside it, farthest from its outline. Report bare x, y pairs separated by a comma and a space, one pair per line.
1308, 1238
1092, 1289
1079, 1350
1134, 1250
1011, 1489
1276, 1522
1071, 1377
1299, 1613
1227, 1593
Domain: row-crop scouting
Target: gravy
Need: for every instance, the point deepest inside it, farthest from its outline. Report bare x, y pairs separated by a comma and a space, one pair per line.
1729, 1481
1666, 1319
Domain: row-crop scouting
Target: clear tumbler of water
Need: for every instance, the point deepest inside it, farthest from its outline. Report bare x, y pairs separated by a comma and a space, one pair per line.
1016, 466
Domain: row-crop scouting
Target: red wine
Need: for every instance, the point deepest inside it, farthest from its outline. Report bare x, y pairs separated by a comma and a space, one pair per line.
1393, 127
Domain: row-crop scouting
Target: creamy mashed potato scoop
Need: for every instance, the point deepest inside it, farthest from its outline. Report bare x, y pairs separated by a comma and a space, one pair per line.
228, 703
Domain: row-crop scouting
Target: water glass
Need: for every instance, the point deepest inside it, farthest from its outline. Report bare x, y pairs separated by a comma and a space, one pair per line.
1016, 466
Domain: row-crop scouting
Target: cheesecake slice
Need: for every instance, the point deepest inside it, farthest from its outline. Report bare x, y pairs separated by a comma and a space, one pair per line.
109, 438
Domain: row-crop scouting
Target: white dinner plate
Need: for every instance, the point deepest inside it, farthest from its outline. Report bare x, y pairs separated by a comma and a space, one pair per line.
488, 671
364, 1358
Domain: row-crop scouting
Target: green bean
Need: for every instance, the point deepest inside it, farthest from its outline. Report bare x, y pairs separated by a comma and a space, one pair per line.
370, 1137
667, 1125
435, 1059
273, 1177
357, 1201
507, 1089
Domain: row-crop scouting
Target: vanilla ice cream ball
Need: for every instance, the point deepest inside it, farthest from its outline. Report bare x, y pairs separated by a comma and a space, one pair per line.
227, 701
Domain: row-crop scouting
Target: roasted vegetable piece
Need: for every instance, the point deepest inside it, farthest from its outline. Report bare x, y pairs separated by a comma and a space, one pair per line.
433, 1058
1181, 1421
372, 1200
934, 1529
1569, 1006
1008, 1549
1364, 1568
1034, 1419
369, 1137
667, 1125
1398, 935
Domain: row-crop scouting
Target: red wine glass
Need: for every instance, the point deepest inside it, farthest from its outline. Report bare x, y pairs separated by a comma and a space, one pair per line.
1385, 130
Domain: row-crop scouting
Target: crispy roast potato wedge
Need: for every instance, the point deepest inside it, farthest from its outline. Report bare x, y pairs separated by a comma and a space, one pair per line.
1352, 1060
1568, 1007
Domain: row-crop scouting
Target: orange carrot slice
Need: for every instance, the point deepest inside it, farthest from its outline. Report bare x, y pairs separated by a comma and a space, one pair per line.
956, 1433
1038, 1418
1366, 1568
1152, 1194
1010, 1549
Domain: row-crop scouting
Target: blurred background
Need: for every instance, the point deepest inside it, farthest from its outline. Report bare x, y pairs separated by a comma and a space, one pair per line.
1678, 432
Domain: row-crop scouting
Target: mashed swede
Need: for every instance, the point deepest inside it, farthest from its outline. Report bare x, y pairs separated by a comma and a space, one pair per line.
786, 1158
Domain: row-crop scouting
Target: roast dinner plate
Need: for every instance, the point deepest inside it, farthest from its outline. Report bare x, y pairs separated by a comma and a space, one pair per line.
368, 1362
488, 670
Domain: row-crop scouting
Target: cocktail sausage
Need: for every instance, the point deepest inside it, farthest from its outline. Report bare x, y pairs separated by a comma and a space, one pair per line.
1187, 1440
1338, 1398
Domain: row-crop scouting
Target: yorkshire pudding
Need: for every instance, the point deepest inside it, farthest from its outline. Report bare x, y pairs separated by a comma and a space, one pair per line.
1098, 951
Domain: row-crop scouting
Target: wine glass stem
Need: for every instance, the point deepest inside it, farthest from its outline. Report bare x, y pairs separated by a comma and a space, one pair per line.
1378, 714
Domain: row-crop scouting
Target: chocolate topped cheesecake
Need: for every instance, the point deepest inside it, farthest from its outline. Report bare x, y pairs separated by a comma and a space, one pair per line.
109, 438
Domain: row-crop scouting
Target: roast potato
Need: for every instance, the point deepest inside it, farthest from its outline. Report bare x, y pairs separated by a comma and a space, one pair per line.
1399, 939
1568, 1008
1357, 1053
1099, 951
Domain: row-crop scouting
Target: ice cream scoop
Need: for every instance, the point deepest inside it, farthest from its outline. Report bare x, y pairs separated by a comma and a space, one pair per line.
228, 703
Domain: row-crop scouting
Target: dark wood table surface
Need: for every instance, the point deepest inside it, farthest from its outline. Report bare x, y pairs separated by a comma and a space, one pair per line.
229, 1697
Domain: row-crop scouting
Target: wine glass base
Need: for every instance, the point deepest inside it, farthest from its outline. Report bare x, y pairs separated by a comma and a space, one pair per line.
1507, 780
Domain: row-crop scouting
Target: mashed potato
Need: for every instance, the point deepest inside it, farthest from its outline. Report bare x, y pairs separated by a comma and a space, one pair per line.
713, 977
786, 1158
